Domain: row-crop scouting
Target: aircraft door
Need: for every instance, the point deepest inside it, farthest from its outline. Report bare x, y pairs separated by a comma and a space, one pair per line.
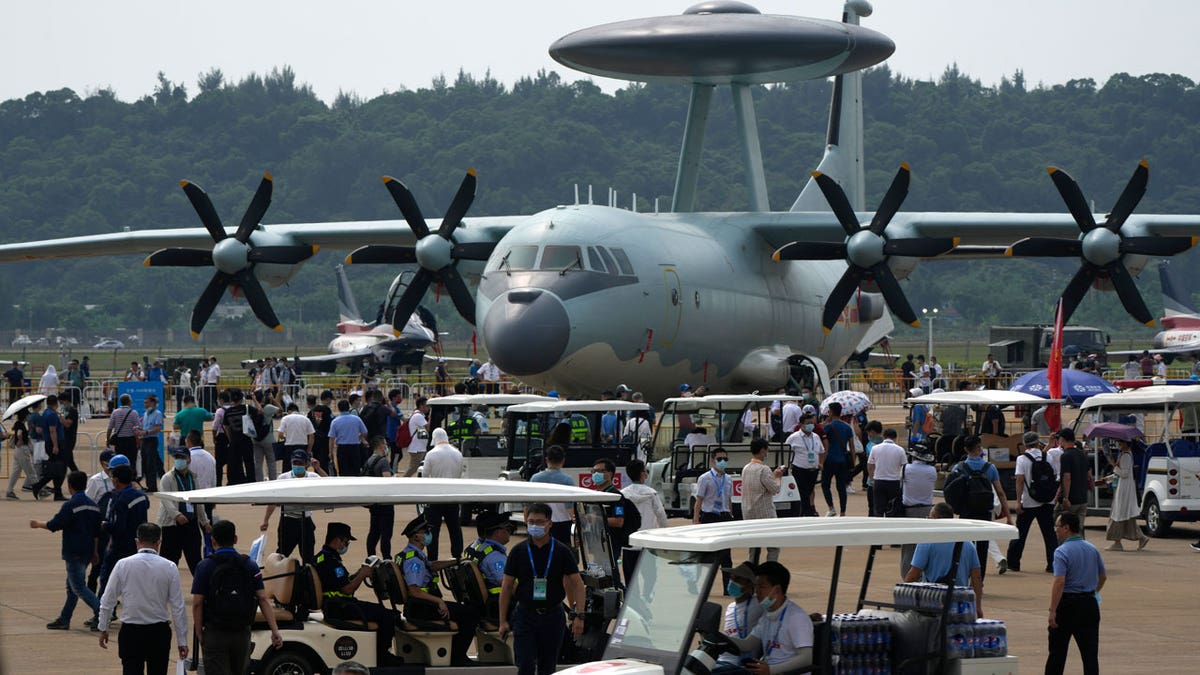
673, 311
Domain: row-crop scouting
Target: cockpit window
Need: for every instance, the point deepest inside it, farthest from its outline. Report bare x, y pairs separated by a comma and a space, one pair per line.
622, 261
518, 258
560, 257
595, 261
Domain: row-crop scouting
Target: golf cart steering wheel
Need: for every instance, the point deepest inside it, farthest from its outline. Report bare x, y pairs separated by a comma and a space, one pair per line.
716, 644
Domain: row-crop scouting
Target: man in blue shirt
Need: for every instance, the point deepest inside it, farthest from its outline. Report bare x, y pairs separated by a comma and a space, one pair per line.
152, 424
1075, 597
837, 459
347, 435
425, 601
491, 555
127, 509
556, 456
395, 416
79, 521
976, 462
931, 562
54, 469
16, 382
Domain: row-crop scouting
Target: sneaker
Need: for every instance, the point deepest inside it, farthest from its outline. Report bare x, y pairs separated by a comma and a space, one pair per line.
12, 496
57, 625
92, 622
1195, 546
831, 513
1002, 566
1050, 568
850, 489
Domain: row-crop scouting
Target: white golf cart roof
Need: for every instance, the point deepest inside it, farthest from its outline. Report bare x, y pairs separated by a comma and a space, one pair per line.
1146, 397
981, 397
365, 491
556, 406
818, 532
487, 399
724, 400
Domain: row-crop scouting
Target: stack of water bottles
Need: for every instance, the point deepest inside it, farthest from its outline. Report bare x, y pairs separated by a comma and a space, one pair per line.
930, 598
862, 644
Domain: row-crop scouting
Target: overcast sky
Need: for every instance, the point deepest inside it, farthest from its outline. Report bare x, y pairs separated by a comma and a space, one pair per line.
370, 47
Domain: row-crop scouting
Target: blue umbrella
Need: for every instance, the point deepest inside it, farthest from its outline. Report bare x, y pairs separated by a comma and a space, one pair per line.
1077, 386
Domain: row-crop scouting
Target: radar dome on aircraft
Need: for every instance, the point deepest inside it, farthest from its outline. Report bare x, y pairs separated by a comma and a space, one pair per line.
723, 42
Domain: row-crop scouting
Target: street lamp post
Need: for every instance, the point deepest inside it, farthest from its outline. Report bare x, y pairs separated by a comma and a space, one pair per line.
930, 315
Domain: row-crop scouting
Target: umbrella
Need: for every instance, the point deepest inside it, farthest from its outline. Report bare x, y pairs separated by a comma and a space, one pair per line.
1121, 432
853, 402
1077, 385
21, 404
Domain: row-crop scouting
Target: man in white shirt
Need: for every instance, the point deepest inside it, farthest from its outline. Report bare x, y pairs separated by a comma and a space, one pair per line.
791, 417
296, 431
783, 636
991, 370
935, 373
204, 465
1030, 509
885, 466
743, 614
151, 596
418, 429
923, 373
99, 483
489, 376
808, 454
443, 461
1132, 370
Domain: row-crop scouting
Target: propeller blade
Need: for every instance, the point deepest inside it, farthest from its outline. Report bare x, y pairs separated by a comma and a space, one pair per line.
838, 202
929, 247
458, 207
208, 302
283, 255
476, 250
1076, 289
839, 297
464, 302
257, 298
1127, 290
204, 208
1045, 247
1073, 196
411, 297
1159, 246
811, 250
179, 257
256, 210
893, 294
892, 200
387, 255
408, 206
1134, 190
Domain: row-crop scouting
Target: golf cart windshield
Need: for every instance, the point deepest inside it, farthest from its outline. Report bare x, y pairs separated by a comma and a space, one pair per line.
662, 602
597, 554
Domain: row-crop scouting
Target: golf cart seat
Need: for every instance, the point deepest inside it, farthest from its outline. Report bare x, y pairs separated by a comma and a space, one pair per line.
472, 589
279, 580
417, 641
312, 581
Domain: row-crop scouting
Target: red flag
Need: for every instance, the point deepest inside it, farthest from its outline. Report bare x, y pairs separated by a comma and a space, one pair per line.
1054, 371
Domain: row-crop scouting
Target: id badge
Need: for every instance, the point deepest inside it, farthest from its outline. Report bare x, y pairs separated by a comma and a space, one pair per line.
539, 589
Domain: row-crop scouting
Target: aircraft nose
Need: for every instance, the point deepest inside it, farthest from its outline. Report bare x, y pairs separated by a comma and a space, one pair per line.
526, 332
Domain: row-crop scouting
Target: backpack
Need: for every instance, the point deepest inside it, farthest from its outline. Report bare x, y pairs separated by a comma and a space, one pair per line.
404, 435
260, 428
368, 467
231, 598
967, 491
929, 424
1042, 483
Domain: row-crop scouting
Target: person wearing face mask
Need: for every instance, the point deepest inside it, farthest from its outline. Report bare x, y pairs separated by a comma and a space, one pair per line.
181, 523
425, 601
622, 516
338, 587
783, 636
741, 615
296, 529
808, 454
152, 425
491, 556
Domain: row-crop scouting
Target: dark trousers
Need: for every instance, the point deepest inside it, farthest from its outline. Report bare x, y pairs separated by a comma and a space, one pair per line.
52, 471
885, 491
806, 483
467, 619
434, 515
383, 521
1044, 515
981, 547
297, 533
225, 652
144, 648
841, 472
241, 460
182, 539
349, 609
723, 557
1078, 616
562, 532
348, 463
537, 639
93, 579
151, 463
126, 445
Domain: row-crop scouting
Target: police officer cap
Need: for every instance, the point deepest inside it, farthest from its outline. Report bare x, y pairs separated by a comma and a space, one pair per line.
299, 456
340, 531
107, 455
490, 521
416, 525
118, 460
181, 452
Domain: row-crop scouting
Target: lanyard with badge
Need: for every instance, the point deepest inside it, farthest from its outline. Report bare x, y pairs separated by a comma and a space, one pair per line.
720, 480
770, 646
539, 583
812, 453
743, 626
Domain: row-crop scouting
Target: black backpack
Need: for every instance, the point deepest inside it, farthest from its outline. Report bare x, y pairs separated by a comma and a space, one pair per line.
231, 598
1042, 483
262, 426
967, 491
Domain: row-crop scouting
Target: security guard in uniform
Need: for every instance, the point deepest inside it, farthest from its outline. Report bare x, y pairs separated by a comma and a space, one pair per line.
425, 598
337, 590
127, 509
490, 554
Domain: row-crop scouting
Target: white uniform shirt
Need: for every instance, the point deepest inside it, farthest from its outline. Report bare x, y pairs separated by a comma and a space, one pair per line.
204, 468
806, 449
888, 459
740, 619
149, 589
295, 429
917, 484
783, 633
443, 461
287, 475
923, 376
416, 422
213, 375
791, 416
98, 485
1025, 468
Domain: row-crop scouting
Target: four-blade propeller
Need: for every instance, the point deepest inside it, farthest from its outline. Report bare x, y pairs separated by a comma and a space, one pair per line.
866, 249
1102, 248
234, 257
437, 253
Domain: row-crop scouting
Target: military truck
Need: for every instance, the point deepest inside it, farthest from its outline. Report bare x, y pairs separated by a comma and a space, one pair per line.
1028, 347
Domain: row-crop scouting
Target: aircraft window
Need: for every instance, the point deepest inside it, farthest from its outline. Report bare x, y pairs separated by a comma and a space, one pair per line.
595, 261
622, 261
608, 259
560, 257
519, 258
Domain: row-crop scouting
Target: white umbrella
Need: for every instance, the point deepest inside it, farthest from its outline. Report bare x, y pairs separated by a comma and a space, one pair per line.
853, 402
21, 404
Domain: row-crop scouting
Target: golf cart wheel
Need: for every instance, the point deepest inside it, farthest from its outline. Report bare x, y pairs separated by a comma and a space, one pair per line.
286, 663
1156, 524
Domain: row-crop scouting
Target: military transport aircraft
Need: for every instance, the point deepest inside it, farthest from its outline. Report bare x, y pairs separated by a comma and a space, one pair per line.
581, 295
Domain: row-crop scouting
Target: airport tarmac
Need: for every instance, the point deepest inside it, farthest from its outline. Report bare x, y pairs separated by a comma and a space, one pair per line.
1148, 609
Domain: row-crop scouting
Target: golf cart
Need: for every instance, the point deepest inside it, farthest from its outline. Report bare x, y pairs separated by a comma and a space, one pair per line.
672, 598
312, 643
530, 425
1169, 420
679, 458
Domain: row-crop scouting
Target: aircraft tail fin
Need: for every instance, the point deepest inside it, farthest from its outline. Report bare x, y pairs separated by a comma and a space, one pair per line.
843, 160
1175, 303
347, 307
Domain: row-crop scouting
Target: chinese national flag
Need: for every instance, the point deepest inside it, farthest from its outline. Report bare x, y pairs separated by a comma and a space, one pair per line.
1054, 371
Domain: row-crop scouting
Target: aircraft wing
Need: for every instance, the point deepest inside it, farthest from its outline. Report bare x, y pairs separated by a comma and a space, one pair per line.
452, 359
334, 359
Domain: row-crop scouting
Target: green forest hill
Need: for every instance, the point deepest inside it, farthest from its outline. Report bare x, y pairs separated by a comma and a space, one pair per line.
72, 165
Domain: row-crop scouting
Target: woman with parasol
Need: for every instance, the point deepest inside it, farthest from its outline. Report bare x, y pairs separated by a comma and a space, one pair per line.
1123, 515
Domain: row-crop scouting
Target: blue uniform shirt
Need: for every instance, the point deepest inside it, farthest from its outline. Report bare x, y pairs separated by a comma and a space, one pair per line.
976, 464
1080, 563
126, 511
153, 419
415, 567
79, 520
934, 561
491, 557
346, 428
49, 419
